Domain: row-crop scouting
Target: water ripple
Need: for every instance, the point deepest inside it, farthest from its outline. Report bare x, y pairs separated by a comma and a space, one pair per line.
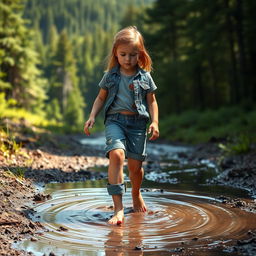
76, 220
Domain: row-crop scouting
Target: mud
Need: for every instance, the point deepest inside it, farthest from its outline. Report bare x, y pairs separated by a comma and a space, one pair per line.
238, 171
48, 158
16, 201
43, 158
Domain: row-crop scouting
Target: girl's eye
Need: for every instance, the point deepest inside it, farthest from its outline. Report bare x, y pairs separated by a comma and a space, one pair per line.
132, 55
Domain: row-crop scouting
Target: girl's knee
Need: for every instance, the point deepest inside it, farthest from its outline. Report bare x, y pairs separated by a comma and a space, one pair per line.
117, 155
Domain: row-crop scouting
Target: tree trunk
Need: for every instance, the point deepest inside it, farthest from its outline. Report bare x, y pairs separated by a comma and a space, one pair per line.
241, 49
234, 80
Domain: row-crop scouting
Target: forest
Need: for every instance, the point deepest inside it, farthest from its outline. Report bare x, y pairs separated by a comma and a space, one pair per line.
52, 56
199, 175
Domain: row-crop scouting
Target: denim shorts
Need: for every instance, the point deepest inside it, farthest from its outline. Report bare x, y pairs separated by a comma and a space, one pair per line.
127, 132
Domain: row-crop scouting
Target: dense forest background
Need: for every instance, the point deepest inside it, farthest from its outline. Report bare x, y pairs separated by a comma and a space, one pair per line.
52, 56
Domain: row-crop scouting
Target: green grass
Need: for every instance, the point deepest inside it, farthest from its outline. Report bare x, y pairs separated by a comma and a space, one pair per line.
196, 127
239, 145
17, 172
17, 114
8, 145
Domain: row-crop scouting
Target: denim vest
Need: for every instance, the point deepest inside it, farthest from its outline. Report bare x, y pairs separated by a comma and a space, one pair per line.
141, 88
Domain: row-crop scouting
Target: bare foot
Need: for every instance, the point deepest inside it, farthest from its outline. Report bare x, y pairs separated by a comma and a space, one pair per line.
118, 218
138, 203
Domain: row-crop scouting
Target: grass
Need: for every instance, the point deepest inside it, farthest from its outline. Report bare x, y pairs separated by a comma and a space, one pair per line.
239, 145
8, 145
234, 123
17, 114
17, 172
38, 121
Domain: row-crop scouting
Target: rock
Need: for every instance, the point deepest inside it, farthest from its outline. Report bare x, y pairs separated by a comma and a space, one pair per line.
179, 249
227, 163
138, 248
62, 229
240, 203
246, 241
41, 197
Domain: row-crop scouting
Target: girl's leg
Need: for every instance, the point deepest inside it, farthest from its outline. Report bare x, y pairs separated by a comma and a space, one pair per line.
136, 174
115, 176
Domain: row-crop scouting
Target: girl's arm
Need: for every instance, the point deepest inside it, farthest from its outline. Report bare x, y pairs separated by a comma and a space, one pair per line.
97, 106
153, 111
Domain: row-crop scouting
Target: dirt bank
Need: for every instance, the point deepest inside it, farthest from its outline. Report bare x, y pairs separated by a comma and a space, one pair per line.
43, 159
235, 170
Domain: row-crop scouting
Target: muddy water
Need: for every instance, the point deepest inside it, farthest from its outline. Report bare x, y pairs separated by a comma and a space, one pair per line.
77, 213
184, 217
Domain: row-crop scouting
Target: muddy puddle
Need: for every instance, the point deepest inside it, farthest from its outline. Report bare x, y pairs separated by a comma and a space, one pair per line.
76, 221
185, 216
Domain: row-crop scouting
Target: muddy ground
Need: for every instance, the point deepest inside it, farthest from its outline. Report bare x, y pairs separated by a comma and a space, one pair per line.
57, 158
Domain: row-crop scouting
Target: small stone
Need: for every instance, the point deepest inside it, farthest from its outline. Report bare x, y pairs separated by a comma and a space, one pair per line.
138, 248
62, 229
179, 249
31, 225
239, 204
250, 233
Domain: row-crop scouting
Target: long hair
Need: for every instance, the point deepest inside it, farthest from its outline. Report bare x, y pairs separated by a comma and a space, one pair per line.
126, 36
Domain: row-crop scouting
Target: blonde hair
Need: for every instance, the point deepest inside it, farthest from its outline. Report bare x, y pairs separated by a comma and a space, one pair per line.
126, 36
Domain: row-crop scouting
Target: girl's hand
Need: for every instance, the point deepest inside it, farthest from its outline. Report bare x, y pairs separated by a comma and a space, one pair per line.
153, 129
88, 125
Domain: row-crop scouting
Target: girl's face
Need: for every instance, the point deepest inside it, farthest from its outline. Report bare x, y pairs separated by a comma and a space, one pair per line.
127, 56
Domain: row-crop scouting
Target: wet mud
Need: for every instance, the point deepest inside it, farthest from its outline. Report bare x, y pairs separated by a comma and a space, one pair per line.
201, 220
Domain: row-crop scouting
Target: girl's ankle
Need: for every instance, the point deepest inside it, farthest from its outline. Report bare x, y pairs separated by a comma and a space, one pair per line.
118, 209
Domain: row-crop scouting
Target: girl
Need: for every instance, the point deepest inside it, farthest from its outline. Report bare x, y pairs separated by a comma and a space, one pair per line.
127, 91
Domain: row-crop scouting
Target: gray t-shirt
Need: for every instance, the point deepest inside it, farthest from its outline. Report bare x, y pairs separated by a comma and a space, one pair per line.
124, 100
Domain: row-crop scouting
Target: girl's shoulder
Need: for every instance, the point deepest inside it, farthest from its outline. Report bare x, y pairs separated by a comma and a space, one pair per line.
109, 78
145, 74
147, 78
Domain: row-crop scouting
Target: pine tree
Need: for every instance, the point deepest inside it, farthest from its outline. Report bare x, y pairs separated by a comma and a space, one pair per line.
203, 52
20, 79
64, 83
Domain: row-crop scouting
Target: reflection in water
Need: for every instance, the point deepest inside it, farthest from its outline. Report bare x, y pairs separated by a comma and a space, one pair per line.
116, 244
76, 219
